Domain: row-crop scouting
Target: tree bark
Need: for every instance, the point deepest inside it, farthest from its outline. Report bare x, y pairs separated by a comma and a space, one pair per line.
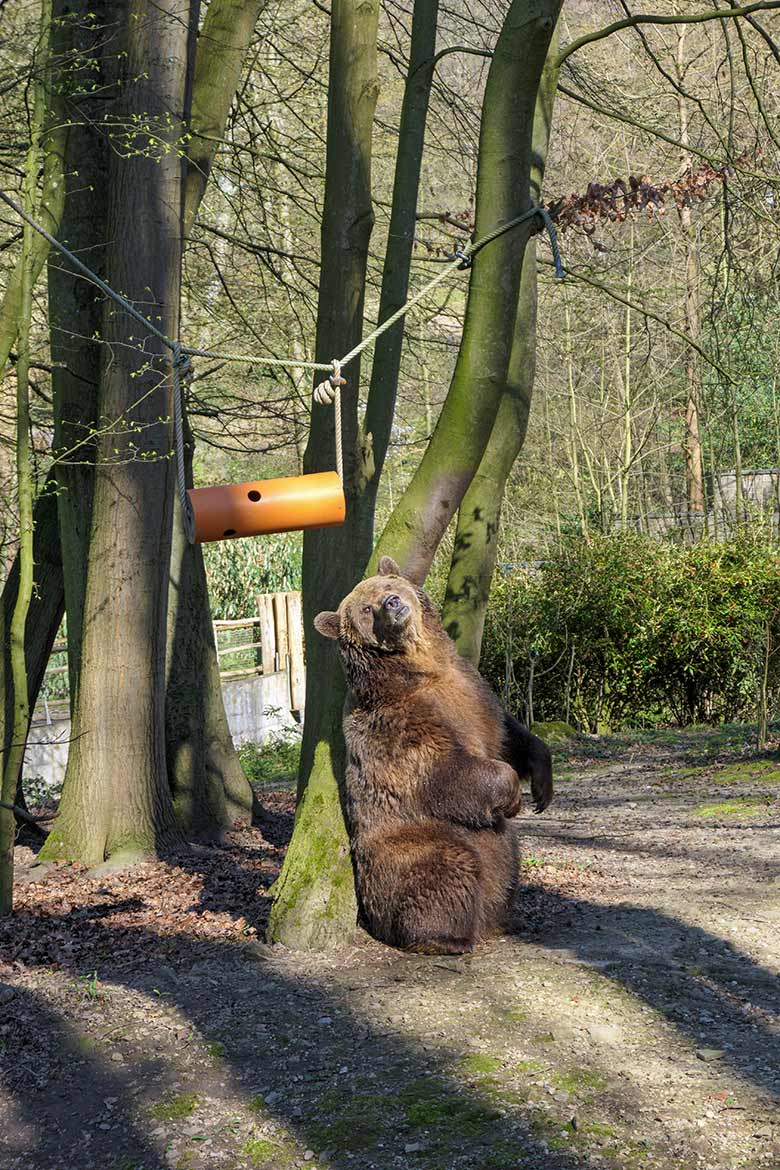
452, 457
476, 537
88, 54
210, 790
380, 405
116, 798
314, 898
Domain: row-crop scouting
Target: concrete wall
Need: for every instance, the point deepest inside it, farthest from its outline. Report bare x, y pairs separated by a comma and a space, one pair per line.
256, 706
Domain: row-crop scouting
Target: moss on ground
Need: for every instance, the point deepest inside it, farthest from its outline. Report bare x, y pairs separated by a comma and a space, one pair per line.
174, 1107
261, 1152
574, 1080
737, 806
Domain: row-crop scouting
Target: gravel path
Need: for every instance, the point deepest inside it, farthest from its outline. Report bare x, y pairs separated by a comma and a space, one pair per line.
631, 1020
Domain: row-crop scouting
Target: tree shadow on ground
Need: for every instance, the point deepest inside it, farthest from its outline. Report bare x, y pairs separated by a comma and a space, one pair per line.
328, 1069
715, 994
362, 1097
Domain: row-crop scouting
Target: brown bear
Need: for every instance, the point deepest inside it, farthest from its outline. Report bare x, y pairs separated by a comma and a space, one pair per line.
433, 773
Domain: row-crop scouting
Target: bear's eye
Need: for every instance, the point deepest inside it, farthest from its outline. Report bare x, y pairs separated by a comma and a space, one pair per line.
367, 609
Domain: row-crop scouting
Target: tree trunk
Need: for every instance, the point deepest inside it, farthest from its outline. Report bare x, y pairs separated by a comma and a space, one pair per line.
314, 898
692, 450
380, 405
116, 798
450, 462
44, 615
314, 894
476, 537
210, 790
87, 53
13, 754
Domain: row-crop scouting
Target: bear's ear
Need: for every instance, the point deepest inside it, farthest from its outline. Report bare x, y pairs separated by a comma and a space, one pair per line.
328, 623
389, 568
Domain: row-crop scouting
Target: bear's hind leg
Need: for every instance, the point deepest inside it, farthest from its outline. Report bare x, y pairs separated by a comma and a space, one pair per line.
434, 904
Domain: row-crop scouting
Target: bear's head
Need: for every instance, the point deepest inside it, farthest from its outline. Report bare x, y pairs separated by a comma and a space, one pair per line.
383, 613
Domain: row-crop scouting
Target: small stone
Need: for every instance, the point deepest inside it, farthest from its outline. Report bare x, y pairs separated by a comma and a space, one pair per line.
325, 1020
6, 994
710, 1054
271, 1098
308, 1155
117, 1058
343, 1069
413, 1147
259, 952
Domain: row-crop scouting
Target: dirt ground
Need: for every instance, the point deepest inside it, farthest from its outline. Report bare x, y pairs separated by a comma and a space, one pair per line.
631, 1020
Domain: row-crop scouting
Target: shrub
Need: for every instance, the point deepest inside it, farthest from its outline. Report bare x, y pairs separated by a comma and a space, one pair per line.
237, 570
274, 762
625, 631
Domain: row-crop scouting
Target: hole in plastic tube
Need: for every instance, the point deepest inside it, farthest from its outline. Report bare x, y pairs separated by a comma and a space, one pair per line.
254, 495
229, 532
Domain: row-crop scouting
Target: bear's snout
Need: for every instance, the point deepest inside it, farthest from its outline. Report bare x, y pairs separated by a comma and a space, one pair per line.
397, 608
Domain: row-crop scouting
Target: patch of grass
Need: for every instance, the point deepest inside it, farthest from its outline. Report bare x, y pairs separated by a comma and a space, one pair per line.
528, 1066
479, 1065
738, 806
447, 1115
263, 1153
273, 763
355, 1123
513, 1016
577, 1079
174, 1107
216, 1049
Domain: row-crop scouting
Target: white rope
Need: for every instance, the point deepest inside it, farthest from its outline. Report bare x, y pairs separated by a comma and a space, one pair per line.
326, 392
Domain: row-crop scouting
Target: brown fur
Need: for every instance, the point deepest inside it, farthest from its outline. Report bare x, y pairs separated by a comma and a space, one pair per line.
431, 776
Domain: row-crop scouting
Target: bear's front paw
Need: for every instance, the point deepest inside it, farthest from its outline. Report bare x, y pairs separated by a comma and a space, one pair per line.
510, 792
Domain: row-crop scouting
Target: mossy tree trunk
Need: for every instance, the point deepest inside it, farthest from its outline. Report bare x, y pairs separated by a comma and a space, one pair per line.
385, 369
504, 191
479, 516
312, 906
116, 797
314, 895
20, 709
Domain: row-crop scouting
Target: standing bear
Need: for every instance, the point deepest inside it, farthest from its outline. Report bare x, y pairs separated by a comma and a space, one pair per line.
433, 773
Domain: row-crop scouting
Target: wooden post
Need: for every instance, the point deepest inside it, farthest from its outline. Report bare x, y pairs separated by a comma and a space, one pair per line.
295, 642
265, 609
282, 642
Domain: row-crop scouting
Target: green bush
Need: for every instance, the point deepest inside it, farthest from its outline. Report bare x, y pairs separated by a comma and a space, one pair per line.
237, 570
273, 763
626, 631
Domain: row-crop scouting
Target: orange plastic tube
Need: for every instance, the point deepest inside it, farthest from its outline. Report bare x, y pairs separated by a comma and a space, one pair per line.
268, 505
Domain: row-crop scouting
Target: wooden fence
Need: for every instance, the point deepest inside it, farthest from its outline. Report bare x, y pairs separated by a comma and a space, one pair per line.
277, 633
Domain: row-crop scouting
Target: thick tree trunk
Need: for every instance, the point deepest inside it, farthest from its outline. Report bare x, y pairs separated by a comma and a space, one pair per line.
452, 457
312, 906
116, 798
479, 516
210, 790
314, 895
75, 305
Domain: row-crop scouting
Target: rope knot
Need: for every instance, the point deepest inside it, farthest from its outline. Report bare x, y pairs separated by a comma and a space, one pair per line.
182, 362
325, 392
465, 259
